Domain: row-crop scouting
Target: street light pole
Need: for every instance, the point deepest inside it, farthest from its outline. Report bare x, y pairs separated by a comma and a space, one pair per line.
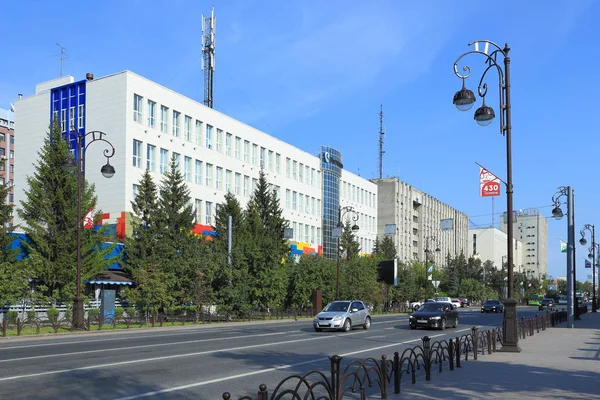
427, 251
592, 255
107, 171
464, 100
342, 211
558, 214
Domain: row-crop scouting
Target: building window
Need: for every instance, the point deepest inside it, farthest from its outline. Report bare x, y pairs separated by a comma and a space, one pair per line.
198, 210
295, 230
306, 173
288, 167
137, 108
209, 174
81, 116
263, 152
238, 179
176, 121
246, 184
63, 120
294, 196
198, 139
277, 162
198, 173
164, 160
254, 154
270, 160
288, 195
208, 213
301, 173
228, 138
246, 150
209, 143
306, 233
300, 202
136, 190
71, 118
151, 113
295, 170
137, 153
238, 147
318, 236
177, 159
219, 178
254, 184
312, 206
227, 180
151, 156
187, 168
312, 234
164, 119
300, 233
2, 137
219, 140
188, 128
307, 205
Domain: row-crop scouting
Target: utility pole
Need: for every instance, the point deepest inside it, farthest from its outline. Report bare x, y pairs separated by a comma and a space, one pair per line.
63, 57
381, 133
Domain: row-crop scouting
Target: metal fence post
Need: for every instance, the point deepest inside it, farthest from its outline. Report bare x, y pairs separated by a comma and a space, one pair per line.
384, 377
396, 372
335, 375
474, 333
451, 354
457, 348
427, 354
489, 341
262, 392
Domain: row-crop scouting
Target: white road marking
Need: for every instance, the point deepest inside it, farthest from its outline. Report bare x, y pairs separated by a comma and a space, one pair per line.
142, 346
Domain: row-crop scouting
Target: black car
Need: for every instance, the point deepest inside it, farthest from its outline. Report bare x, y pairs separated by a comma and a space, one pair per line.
546, 304
492, 306
464, 302
434, 315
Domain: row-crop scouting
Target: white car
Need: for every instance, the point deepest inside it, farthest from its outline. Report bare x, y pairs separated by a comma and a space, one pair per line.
456, 303
416, 304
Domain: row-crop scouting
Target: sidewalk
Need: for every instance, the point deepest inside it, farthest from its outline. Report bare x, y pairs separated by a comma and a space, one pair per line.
558, 363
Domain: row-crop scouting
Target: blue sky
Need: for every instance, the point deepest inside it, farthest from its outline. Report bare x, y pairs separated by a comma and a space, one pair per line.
316, 72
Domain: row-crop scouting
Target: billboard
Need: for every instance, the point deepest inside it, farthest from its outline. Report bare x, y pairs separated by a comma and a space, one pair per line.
447, 224
387, 271
489, 184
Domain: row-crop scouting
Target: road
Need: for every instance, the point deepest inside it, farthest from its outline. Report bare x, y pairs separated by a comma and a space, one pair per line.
199, 362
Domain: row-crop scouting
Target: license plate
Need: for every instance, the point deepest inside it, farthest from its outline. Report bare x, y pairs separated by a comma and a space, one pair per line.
323, 324
421, 321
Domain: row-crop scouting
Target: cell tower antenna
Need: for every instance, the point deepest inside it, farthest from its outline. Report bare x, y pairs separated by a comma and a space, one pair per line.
63, 57
209, 28
381, 133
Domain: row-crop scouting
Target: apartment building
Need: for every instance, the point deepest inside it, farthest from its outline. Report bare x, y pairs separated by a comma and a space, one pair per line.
7, 152
148, 124
418, 221
491, 244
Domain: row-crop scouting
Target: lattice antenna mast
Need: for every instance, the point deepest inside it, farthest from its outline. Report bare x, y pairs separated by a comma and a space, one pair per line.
63, 57
381, 133
208, 51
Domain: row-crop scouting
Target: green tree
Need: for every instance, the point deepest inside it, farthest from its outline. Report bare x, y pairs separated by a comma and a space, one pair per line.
349, 245
377, 247
305, 277
176, 209
388, 248
50, 216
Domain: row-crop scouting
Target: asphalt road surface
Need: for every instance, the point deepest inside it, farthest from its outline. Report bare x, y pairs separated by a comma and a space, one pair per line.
199, 362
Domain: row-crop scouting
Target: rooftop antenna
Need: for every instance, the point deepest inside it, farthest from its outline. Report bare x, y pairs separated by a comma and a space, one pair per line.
63, 57
381, 133
208, 55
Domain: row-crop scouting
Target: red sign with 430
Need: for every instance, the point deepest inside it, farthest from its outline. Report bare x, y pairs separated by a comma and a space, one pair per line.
489, 184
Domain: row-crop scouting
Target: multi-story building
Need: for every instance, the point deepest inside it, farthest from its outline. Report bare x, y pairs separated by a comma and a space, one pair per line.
418, 221
7, 152
148, 124
490, 244
531, 228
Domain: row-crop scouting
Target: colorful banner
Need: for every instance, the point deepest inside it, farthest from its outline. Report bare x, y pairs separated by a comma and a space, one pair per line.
563, 247
588, 264
489, 184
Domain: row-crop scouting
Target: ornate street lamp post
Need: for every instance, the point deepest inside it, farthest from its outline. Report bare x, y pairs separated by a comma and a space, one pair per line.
591, 256
79, 166
464, 100
571, 276
342, 211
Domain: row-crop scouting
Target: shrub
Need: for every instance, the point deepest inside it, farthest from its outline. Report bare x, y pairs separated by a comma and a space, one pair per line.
52, 314
30, 315
93, 313
12, 316
119, 311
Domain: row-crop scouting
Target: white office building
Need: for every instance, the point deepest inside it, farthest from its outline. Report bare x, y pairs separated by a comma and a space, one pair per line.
491, 244
148, 124
418, 221
531, 228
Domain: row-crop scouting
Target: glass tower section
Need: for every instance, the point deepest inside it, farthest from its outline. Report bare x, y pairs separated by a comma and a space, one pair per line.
331, 167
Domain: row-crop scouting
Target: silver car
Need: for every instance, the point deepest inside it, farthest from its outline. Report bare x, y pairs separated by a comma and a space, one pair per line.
343, 315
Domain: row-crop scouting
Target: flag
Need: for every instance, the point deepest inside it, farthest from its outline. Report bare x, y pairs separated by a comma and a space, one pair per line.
588, 264
344, 254
563, 247
88, 220
430, 270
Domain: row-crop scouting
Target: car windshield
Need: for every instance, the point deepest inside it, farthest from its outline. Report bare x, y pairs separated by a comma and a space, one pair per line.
491, 303
431, 307
546, 301
337, 306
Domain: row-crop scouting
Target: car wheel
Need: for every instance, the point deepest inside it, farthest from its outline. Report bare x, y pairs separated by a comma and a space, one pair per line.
413, 326
367, 324
443, 325
318, 329
347, 327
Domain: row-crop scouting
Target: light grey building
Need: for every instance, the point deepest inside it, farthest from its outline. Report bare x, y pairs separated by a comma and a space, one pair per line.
531, 228
414, 220
490, 244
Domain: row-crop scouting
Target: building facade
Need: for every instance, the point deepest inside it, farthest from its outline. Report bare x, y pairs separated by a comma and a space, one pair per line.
417, 221
148, 124
531, 228
7, 153
490, 244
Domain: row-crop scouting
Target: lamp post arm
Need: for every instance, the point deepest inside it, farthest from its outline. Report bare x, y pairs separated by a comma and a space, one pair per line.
98, 136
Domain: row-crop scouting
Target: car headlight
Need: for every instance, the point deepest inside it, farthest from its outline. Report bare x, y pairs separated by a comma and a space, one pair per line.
337, 318
435, 318
411, 317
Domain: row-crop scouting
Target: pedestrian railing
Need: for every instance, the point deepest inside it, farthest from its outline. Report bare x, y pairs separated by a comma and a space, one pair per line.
371, 376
